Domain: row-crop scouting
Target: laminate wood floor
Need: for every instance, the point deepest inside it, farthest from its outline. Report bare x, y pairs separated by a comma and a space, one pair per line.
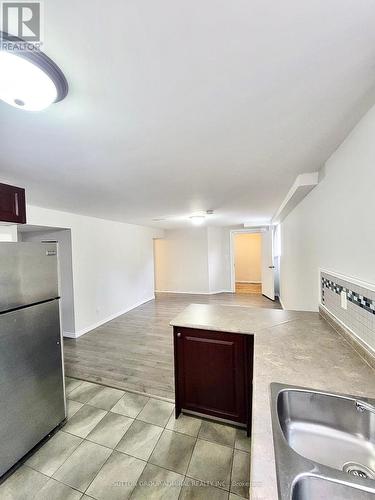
135, 351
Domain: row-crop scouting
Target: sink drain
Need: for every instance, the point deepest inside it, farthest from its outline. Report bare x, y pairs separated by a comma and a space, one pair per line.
358, 470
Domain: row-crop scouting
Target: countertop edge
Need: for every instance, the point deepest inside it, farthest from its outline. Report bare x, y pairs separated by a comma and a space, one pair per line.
213, 328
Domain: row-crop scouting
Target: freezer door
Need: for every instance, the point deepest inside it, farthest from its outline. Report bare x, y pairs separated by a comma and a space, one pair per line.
31, 379
28, 274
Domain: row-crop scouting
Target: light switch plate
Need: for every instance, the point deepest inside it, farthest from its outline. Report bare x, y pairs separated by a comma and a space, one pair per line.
344, 300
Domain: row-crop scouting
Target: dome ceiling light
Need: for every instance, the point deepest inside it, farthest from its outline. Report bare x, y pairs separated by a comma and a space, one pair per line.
29, 79
197, 220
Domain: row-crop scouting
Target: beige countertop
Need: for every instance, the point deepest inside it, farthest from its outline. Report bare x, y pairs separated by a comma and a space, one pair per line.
291, 347
234, 319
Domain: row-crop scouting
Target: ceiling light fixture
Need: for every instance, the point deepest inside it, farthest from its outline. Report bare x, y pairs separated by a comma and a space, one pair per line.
29, 79
197, 220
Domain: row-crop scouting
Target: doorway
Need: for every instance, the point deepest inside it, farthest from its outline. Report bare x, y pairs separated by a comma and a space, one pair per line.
253, 263
247, 249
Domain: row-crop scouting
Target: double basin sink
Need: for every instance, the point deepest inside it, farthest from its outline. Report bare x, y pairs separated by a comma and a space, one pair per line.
324, 444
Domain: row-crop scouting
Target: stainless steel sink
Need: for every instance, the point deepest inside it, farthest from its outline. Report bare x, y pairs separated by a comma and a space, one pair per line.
323, 442
328, 429
318, 488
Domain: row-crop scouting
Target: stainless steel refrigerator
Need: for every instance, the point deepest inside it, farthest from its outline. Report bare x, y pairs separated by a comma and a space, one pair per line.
32, 398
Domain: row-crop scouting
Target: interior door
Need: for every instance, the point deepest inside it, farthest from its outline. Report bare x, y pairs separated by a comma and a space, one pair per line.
268, 267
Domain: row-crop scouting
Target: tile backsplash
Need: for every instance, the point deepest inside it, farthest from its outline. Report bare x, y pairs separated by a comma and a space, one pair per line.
359, 316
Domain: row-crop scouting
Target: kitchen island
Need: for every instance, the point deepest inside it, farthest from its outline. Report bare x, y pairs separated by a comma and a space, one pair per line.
290, 347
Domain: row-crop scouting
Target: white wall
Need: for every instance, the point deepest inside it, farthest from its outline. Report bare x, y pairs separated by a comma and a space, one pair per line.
333, 227
112, 264
181, 261
248, 254
216, 260
193, 260
63, 237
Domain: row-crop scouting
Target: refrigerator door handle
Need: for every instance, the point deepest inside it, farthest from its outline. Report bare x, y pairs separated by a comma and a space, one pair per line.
16, 204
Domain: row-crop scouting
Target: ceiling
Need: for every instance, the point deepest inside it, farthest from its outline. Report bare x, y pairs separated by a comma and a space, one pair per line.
176, 107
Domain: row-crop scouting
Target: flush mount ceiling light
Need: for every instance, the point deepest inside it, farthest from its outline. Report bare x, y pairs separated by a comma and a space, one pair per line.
197, 220
29, 79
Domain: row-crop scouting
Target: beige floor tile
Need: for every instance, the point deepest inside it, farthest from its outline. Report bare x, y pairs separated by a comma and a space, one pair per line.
110, 430
83, 465
198, 490
106, 398
217, 433
72, 407
53, 490
158, 484
54, 453
173, 451
23, 484
84, 421
211, 462
117, 478
84, 392
71, 384
156, 412
185, 424
130, 404
240, 481
242, 441
140, 439
75, 464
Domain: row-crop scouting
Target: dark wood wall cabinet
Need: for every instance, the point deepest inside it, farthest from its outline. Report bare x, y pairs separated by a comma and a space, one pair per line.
213, 374
12, 204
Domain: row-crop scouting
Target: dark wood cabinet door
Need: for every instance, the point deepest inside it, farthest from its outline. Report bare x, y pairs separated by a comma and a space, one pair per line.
12, 204
213, 373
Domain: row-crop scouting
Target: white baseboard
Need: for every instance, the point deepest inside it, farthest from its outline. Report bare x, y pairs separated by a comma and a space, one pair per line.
69, 335
188, 292
281, 303
194, 293
79, 333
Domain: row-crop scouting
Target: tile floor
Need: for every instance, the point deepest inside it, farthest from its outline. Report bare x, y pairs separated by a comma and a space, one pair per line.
120, 445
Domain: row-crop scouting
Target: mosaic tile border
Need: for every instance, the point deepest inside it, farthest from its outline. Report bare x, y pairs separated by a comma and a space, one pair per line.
354, 297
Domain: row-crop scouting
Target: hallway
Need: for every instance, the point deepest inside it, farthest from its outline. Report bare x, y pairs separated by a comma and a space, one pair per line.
135, 351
